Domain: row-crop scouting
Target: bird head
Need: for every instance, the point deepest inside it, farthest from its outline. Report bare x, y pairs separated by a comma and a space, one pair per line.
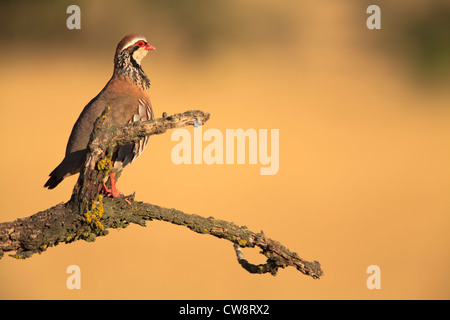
127, 60
135, 47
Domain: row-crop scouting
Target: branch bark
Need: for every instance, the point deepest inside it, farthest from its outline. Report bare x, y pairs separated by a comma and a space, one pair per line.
88, 214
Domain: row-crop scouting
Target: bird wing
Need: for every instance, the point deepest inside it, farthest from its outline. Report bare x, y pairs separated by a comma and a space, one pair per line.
123, 109
132, 111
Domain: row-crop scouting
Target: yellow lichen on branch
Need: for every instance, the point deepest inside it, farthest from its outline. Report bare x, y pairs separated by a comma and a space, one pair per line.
94, 215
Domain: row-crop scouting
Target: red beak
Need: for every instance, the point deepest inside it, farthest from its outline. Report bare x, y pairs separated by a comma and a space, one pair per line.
149, 47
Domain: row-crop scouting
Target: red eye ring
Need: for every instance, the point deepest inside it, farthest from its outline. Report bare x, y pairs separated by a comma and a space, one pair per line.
140, 44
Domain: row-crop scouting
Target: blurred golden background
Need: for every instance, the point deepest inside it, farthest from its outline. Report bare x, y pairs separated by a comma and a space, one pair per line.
364, 119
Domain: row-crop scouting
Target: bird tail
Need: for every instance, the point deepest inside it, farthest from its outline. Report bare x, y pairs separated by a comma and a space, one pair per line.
70, 165
57, 175
53, 181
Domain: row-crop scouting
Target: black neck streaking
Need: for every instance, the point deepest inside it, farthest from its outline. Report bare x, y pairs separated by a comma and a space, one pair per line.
125, 65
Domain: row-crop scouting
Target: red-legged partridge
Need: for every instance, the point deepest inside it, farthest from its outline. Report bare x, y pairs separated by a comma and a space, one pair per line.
126, 95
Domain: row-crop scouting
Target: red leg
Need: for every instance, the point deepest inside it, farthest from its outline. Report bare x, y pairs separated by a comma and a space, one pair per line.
105, 189
113, 192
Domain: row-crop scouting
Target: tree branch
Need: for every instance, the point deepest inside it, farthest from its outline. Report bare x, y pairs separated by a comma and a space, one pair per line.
104, 139
88, 214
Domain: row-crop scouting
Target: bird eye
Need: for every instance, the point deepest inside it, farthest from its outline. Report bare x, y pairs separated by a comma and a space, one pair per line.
140, 44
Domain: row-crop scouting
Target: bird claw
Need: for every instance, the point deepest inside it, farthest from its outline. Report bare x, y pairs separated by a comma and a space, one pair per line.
113, 193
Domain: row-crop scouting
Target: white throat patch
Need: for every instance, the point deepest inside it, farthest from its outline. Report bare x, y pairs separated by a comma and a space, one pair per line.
139, 54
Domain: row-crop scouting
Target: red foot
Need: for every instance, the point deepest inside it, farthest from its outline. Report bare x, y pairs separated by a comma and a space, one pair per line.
113, 192
110, 192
